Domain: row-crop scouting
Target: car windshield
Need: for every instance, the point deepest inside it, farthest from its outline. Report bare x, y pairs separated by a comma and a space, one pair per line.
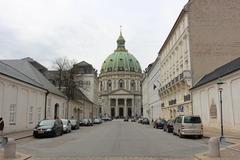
46, 123
73, 121
64, 121
191, 119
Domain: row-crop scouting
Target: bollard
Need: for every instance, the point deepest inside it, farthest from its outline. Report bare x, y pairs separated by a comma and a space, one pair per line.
214, 147
10, 149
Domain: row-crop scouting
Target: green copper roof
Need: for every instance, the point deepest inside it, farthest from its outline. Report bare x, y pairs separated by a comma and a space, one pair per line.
121, 60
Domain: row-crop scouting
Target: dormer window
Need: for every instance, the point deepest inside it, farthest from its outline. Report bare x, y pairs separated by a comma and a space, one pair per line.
120, 69
121, 84
109, 69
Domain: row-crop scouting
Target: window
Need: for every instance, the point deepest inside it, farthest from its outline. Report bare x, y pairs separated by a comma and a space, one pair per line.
121, 83
49, 101
133, 85
80, 84
191, 119
109, 85
30, 114
12, 118
101, 86
39, 114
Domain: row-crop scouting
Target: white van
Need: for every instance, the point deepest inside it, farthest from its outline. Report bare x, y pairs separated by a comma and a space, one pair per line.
188, 126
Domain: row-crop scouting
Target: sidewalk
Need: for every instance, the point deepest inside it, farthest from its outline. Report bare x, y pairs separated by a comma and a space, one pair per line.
229, 135
229, 153
19, 135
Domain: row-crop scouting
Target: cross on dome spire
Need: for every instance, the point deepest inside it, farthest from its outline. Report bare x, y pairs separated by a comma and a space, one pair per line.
120, 42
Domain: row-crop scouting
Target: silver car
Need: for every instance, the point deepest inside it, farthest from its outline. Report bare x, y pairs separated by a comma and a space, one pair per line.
188, 126
67, 127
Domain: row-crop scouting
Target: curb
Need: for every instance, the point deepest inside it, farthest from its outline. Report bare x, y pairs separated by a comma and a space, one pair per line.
23, 137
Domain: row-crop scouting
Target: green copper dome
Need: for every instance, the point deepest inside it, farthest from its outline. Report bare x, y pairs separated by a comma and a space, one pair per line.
121, 60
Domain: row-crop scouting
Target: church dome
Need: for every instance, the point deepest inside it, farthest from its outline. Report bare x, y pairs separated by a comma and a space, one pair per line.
121, 60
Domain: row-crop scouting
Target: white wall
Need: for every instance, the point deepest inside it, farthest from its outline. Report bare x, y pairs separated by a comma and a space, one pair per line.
205, 96
26, 100
151, 99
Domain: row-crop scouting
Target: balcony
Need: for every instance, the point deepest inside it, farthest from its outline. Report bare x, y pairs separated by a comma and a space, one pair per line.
180, 78
172, 102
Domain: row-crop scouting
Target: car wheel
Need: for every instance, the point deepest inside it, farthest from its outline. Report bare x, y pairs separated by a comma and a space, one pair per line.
180, 135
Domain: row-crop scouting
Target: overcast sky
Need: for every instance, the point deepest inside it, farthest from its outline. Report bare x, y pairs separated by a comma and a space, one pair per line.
84, 29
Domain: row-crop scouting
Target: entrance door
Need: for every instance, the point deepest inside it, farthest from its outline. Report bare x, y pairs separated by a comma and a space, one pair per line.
120, 112
112, 112
129, 112
56, 111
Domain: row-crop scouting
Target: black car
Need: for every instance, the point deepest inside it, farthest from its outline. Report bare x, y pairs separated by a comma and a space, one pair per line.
169, 126
125, 119
160, 123
145, 121
74, 123
48, 128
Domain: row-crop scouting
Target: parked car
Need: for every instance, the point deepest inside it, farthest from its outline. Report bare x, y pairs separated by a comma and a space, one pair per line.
48, 128
81, 122
169, 126
90, 122
74, 123
140, 120
86, 122
145, 121
188, 126
106, 119
160, 124
133, 120
125, 119
67, 127
97, 121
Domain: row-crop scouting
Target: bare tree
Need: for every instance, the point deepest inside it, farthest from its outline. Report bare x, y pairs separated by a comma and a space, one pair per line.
64, 66
60, 64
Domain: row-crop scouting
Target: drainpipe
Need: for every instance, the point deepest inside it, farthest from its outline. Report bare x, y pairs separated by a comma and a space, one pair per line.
45, 113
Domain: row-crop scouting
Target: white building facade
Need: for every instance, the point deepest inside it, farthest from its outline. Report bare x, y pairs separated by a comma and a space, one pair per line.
206, 98
150, 86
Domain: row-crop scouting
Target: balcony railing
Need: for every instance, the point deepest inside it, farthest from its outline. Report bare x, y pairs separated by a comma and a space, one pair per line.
184, 75
172, 102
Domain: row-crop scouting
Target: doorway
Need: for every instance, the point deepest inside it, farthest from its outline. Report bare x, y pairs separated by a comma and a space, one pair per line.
56, 111
129, 112
112, 112
120, 112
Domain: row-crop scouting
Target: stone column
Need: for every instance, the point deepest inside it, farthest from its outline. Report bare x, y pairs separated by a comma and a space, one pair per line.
116, 108
125, 108
133, 108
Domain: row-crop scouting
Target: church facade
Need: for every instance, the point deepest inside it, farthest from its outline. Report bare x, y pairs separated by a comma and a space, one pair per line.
120, 84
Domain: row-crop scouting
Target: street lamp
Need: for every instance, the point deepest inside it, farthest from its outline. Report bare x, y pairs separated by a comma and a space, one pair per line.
220, 83
152, 113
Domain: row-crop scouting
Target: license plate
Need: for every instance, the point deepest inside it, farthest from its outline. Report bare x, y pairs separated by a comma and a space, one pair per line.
40, 132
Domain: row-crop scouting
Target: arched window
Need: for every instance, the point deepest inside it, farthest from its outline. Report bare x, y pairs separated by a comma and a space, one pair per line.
109, 85
133, 85
121, 83
101, 86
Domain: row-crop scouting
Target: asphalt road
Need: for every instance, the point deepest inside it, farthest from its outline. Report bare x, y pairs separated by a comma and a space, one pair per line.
111, 139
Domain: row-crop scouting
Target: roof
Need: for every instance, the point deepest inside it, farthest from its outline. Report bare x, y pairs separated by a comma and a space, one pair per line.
121, 60
222, 71
25, 72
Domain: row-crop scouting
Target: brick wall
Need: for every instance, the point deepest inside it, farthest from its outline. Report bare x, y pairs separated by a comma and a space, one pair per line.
214, 27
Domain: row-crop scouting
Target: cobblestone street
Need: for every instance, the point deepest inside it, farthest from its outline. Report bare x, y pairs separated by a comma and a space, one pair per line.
112, 140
